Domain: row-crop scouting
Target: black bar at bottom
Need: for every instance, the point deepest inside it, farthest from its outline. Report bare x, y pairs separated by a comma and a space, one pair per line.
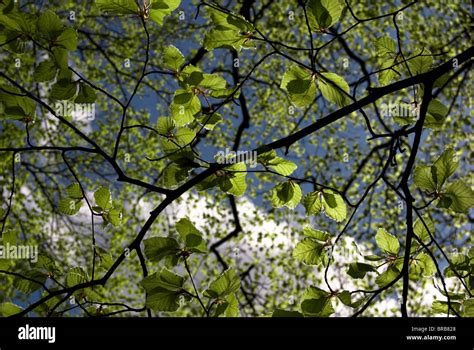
377, 333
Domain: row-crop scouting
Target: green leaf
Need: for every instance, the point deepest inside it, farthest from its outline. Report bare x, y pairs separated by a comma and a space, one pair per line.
404, 120
49, 25
67, 39
471, 253
432, 179
385, 46
69, 206
334, 206
233, 180
60, 56
300, 86
312, 202
230, 31
332, 87
183, 157
358, 303
373, 257
32, 282
442, 307
444, 167
316, 302
223, 20
459, 263
358, 270
225, 284
86, 94
184, 136
282, 166
7, 6
117, 7
286, 194
48, 264
265, 156
322, 236
226, 39
46, 71
9, 23
387, 277
165, 125
5, 264
190, 76
468, 307
213, 82
452, 296
286, 313
114, 216
386, 242
435, 115
184, 107
386, 74
458, 197
173, 59
162, 299
74, 191
308, 251
161, 8
26, 22
163, 279
420, 64
427, 264
323, 14
209, 122
345, 297
103, 198
9, 95
190, 235
9, 237
63, 90
157, 248
104, 258
423, 179
49, 304
9, 309
16, 106
75, 276
226, 93
230, 307
420, 230
174, 175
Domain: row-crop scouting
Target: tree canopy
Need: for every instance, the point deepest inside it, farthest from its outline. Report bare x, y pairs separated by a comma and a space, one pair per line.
236, 158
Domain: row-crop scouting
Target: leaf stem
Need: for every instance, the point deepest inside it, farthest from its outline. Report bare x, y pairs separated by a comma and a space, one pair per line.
194, 287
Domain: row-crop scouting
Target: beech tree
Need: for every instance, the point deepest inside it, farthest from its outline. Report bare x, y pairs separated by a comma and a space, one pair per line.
236, 158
